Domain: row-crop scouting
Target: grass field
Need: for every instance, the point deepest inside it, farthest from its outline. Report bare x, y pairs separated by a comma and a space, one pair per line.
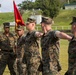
63, 19
63, 57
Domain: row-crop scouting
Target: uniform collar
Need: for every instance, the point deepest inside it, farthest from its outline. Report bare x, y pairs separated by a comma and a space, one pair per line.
47, 32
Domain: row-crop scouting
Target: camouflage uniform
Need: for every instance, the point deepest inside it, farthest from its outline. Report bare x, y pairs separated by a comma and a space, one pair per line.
50, 53
7, 54
72, 50
20, 67
31, 53
72, 57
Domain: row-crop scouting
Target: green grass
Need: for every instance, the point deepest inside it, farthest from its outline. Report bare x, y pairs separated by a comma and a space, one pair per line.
63, 57
6, 17
63, 19
6, 71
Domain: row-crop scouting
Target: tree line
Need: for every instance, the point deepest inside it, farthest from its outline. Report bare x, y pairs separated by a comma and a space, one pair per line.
48, 7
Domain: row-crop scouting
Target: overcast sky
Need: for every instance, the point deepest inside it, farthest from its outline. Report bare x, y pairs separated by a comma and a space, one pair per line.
7, 5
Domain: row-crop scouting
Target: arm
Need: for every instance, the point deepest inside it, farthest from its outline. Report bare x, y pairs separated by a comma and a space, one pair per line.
63, 35
38, 34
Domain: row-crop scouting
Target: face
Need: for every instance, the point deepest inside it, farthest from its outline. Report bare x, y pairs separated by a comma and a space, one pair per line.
73, 28
6, 29
43, 26
30, 26
20, 32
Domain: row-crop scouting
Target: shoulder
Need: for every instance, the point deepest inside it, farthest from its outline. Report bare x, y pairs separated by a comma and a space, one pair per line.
11, 34
23, 35
1, 35
30, 33
54, 33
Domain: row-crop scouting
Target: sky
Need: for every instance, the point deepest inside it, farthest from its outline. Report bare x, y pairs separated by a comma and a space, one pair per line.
7, 5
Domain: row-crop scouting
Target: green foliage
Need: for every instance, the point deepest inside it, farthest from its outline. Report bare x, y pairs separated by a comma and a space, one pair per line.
26, 5
49, 7
38, 4
52, 6
46, 12
72, 1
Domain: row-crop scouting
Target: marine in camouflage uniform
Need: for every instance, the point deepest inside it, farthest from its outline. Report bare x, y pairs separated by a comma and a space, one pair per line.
50, 47
72, 51
7, 42
20, 67
32, 48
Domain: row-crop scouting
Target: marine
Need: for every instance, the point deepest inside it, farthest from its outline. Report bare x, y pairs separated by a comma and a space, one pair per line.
50, 47
7, 42
19, 65
72, 50
31, 42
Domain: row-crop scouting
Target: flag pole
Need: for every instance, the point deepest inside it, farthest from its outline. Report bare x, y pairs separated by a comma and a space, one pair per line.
18, 17
15, 18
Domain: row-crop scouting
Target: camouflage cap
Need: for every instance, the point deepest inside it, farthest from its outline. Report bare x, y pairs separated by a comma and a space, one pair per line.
73, 21
47, 20
19, 27
6, 24
30, 20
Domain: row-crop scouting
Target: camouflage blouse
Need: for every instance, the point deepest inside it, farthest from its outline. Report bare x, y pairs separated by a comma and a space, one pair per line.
50, 51
7, 42
31, 44
72, 56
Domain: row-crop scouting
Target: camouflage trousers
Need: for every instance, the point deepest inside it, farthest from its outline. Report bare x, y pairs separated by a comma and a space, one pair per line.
71, 70
49, 69
7, 59
19, 67
33, 65
51, 73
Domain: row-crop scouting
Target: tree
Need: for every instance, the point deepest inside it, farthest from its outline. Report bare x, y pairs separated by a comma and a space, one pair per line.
49, 7
26, 5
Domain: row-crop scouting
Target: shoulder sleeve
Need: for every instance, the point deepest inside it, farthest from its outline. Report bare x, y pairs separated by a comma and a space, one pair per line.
56, 33
11, 34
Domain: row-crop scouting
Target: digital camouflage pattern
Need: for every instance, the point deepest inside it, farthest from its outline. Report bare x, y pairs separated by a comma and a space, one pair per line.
20, 67
72, 57
6, 45
50, 53
32, 53
20, 52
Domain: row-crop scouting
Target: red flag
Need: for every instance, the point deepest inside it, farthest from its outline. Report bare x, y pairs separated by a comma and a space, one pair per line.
18, 18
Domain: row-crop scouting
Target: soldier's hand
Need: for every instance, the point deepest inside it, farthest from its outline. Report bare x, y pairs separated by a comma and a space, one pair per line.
38, 34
